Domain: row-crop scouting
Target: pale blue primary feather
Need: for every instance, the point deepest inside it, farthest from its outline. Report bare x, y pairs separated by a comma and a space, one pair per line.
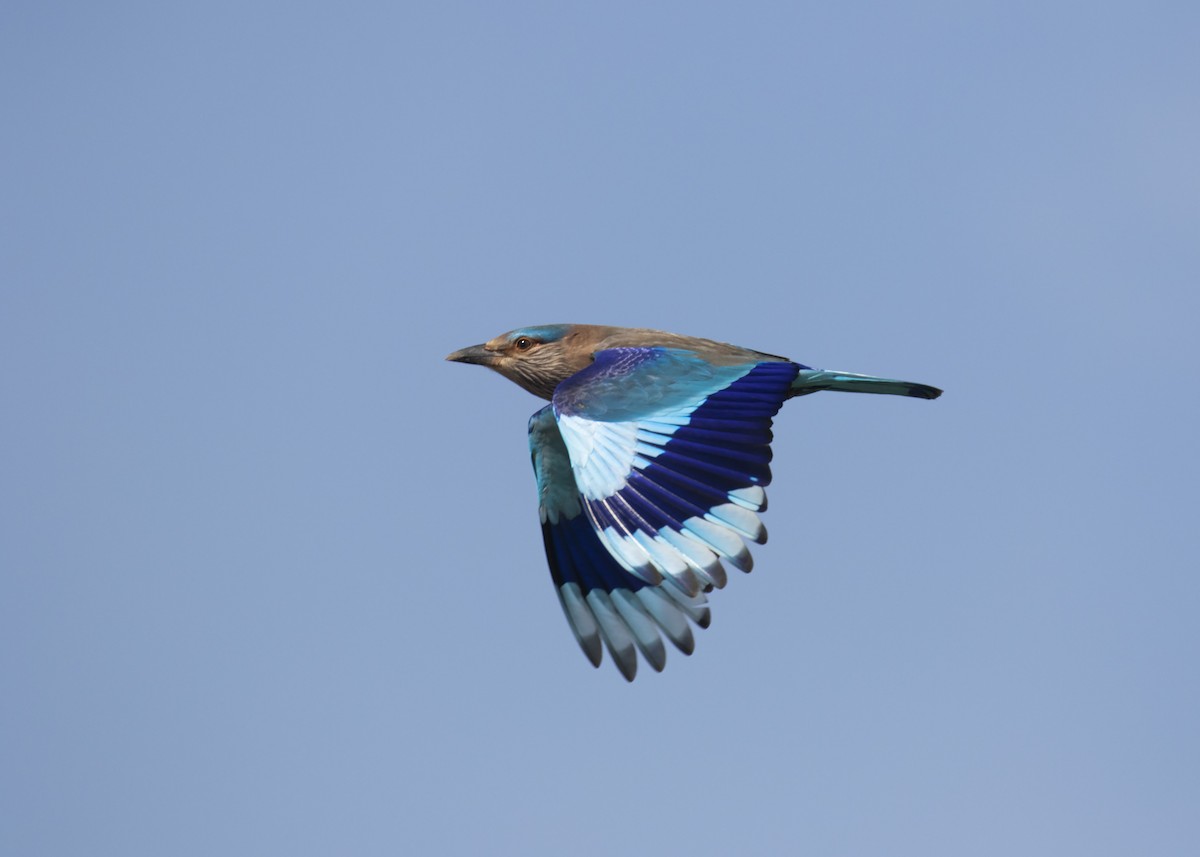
603, 603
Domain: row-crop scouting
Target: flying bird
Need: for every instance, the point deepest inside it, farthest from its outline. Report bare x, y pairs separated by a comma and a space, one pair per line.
650, 460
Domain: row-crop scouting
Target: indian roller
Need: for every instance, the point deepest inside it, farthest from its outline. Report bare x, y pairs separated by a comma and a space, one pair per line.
650, 461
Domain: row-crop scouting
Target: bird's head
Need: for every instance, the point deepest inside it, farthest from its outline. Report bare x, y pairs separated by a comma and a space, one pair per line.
536, 358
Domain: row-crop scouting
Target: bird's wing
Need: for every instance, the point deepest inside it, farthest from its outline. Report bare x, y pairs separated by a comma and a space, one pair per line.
670, 454
603, 603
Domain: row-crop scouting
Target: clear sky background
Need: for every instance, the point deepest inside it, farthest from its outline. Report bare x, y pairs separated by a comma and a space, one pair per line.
271, 580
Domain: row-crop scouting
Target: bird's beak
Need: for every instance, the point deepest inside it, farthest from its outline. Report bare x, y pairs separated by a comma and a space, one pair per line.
474, 354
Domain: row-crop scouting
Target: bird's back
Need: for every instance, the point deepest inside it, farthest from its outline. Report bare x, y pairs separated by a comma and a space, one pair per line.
717, 353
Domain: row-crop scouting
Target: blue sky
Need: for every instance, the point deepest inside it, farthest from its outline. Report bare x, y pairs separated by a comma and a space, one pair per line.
271, 580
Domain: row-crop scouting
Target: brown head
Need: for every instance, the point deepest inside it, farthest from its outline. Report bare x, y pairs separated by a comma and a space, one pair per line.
537, 358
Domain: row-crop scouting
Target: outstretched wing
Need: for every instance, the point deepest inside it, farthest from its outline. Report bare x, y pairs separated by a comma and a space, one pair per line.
670, 452
603, 603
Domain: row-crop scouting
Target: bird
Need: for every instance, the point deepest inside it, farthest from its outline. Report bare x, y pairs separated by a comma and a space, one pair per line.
650, 463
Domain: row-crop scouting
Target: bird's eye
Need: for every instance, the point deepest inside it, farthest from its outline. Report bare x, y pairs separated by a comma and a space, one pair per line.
523, 343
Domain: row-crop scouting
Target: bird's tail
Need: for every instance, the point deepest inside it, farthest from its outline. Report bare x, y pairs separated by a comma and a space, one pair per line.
813, 380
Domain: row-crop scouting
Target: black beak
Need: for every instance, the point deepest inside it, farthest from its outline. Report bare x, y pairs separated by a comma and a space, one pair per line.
474, 354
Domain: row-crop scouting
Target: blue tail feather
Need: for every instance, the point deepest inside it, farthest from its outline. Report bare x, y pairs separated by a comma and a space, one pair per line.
814, 380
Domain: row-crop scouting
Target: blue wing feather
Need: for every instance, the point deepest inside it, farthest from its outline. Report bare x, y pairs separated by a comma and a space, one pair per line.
671, 453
